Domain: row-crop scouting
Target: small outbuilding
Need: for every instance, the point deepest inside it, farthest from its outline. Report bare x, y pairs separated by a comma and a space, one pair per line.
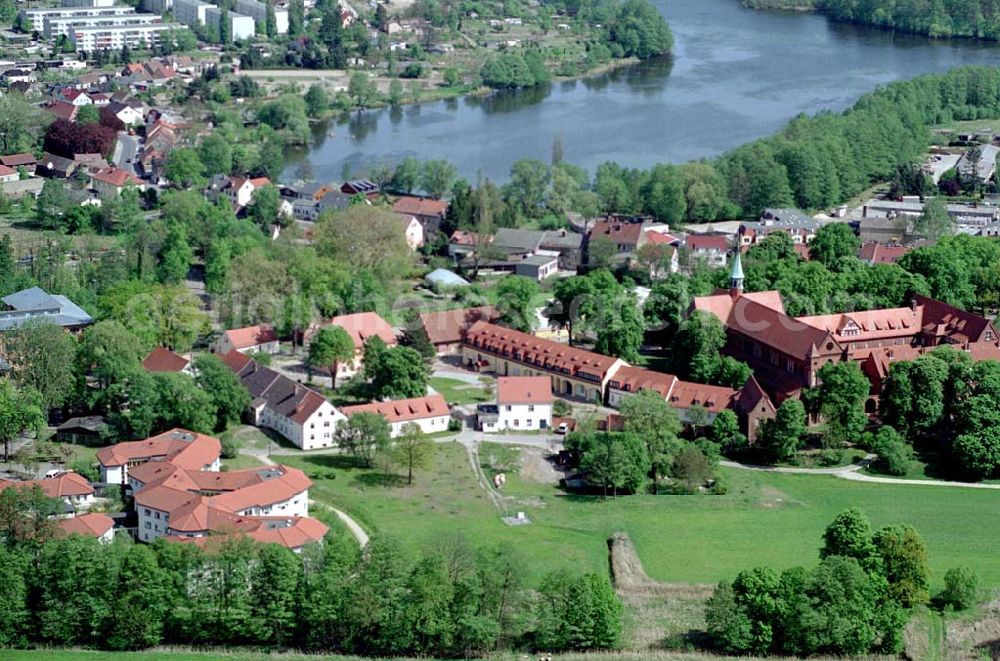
445, 278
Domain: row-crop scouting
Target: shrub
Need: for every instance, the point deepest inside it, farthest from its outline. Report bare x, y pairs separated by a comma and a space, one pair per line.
454, 425
961, 588
230, 447
561, 408
85, 469
894, 454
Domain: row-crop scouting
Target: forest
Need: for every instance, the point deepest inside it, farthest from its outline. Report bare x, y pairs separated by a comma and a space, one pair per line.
458, 601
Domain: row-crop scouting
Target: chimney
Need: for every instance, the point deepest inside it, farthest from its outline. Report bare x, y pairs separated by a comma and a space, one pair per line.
913, 304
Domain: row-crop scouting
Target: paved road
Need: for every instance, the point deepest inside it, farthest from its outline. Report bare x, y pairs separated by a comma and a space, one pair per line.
126, 152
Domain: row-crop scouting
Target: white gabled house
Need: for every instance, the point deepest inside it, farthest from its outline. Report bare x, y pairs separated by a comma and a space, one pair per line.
430, 413
295, 411
524, 403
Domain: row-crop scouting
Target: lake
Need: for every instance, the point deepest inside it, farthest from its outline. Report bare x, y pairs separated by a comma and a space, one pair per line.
736, 75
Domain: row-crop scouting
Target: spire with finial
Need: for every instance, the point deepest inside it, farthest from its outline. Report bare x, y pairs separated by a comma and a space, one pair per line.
736, 276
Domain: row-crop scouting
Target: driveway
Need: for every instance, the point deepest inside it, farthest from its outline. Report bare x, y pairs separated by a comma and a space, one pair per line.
126, 152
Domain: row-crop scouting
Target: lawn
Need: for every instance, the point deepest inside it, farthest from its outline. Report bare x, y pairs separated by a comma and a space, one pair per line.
456, 391
239, 462
765, 519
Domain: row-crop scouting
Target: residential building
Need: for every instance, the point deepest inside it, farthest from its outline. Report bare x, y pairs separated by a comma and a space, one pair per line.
56, 167
299, 413
800, 227
625, 236
72, 489
361, 326
191, 12
909, 209
115, 38
524, 403
34, 303
786, 352
447, 328
129, 114
256, 339
92, 524
240, 27
238, 190
712, 248
84, 430
61, 110
575, 372
67, 26
162, 359
182, 448
429, 211
413, 231
874, 253
110, 182
430, 413
360, 187
258, 12
34, 18
8, 175
75, 96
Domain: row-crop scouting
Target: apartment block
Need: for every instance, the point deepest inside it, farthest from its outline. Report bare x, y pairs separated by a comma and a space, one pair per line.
258, 12
113, 38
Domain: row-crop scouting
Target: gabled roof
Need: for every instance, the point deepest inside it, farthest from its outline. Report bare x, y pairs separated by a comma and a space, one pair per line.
662, 238
777, 330
251, 336
420, 206
284, 483
62, 486
868, 324
162, 359
524, 390
284, 396
116, 177
880, 253
619, 232
17, 160
540, 352
62, 109
448, 327
91, 524
721, 304
699, 242
363, 325
634, 379
714, 399
404, 410
943, 320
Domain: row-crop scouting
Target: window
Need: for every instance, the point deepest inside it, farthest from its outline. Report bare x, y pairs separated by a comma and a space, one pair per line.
508, 407
531, 408
148, 525
157, 516
989, 336
145, 511
528, 423
517, 423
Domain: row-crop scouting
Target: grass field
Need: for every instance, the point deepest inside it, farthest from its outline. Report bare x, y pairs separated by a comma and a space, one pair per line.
456, 391
240, 462
765, 519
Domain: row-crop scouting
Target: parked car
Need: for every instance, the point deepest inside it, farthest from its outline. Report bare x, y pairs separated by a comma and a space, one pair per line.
562, 428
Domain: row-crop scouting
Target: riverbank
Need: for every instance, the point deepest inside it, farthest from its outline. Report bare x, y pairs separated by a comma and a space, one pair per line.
787, 5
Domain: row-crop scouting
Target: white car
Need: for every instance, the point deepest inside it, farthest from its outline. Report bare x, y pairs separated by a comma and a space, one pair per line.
562, 428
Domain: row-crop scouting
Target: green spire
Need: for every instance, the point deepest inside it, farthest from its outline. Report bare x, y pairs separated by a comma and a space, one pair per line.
736, 272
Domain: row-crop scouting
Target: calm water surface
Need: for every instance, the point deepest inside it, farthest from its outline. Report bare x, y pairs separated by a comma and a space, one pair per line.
736, 75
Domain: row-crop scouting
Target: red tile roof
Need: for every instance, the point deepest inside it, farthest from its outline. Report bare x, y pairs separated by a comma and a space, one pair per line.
270, 491
617, 231
116, 177
713, 398
404, 410
463, 238
634, 379
449, 326
363, 325
661, 238
6, 171
699, 242
538, 352
67, 485
16, 160
524, 390
62, 110
251, 336
420, 206
186, 449
161, 359
92, 524
879, 253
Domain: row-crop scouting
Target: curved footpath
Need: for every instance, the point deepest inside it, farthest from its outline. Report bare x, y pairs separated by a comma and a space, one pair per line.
852, 472
356, 530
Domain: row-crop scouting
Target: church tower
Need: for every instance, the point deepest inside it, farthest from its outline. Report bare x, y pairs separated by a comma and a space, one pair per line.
736, 276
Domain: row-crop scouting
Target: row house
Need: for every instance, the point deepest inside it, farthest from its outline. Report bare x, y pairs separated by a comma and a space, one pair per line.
430, 413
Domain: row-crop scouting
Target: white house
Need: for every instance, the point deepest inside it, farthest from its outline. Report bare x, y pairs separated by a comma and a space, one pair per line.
8, 175
361, 326
71, 488
413, 231
91, 524
110, 182
523, 403
430, 413
258, 339
295, 411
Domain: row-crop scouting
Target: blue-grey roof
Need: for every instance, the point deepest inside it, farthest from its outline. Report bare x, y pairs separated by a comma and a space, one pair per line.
446, 278
36, 303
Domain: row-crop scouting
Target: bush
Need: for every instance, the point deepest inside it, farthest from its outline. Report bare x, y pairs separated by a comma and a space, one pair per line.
561, 408
414, 70
961, 588
85, 469
894, 454
455, 425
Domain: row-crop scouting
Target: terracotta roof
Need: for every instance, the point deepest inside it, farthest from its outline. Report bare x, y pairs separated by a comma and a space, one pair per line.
6, 171
777, 330
62, 110
634, 379
282, 484
869, 325
71, 94
448, 327
420, 206
63, 486
542, 353
463, 238
363, 325
251, 336
713, 398
524, 390
721, 304
751, 396
661, 238
292, 532
943, 320
116, 177
617, 231
879, 253
186, 449
92, 524
15, 160
404, 410
698, 242
161, 359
